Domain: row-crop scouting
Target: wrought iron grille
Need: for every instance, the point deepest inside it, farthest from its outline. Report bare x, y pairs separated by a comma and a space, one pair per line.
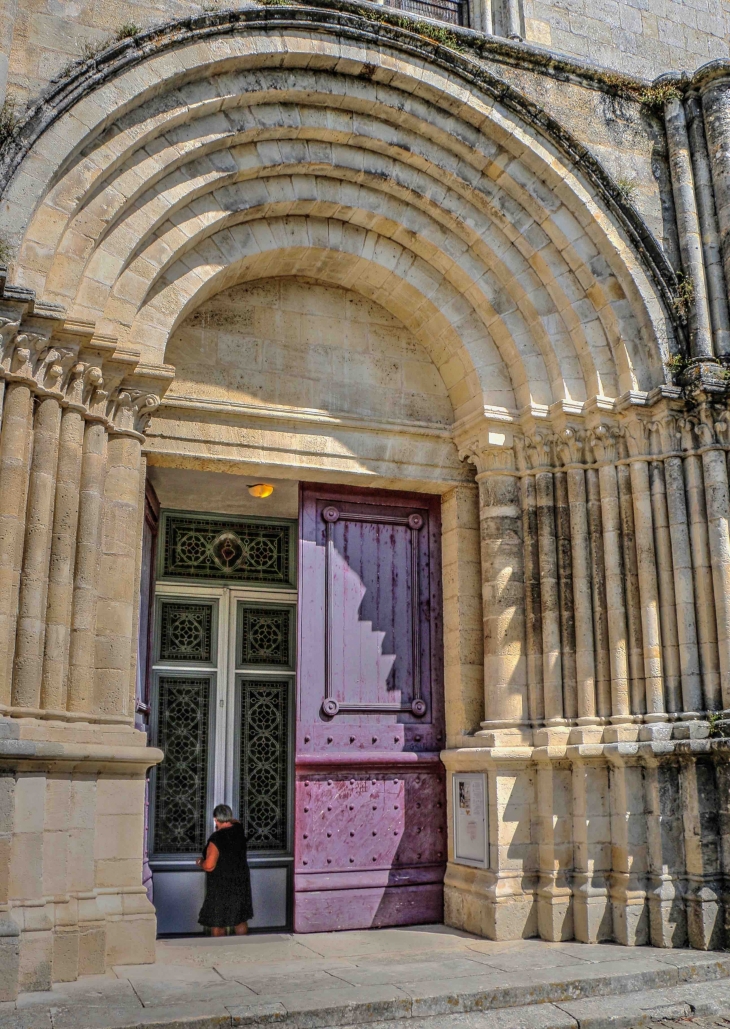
265, 636
451, 11
182, 778
186, 632
264, 750
229, 549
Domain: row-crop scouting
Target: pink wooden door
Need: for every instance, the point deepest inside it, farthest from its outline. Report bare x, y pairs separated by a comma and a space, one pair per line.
370, 830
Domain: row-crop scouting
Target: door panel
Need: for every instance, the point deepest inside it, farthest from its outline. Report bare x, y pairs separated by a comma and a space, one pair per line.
370, 837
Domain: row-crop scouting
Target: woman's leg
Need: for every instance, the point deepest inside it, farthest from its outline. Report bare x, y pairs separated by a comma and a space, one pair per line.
241, 929
215, 931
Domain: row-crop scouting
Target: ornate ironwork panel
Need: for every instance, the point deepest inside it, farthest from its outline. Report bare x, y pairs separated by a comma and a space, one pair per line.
182, 778
229, 549
264, 761
186, 631
265, 637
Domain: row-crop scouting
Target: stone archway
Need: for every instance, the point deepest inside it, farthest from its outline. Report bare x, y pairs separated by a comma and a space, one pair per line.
222, 152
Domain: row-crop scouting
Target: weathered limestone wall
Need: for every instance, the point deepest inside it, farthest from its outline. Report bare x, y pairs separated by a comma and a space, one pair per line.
632, 36
586, 590
294, 344
72, 767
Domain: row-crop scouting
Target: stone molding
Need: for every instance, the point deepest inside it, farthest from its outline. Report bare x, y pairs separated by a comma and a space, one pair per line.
347, 21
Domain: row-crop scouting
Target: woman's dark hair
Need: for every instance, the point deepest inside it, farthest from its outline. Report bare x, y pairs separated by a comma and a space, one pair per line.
223, 813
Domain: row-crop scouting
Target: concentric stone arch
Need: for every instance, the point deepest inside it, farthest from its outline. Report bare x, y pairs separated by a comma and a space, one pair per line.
248, 143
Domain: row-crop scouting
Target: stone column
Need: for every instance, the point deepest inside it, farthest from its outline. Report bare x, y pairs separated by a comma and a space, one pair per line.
63, 548
585, 665
690, 241
648, 581
118, 581
463, 623
533, 602
717, 499
681, 553
548, 557
81, 667
14, 453
637, 685
702, 570
716, 109
667, 600
604, 444
34, 574
505, 680
598, 592
716, 289
565, 589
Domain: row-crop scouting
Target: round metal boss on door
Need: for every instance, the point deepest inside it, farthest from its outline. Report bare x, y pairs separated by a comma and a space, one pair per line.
330, 707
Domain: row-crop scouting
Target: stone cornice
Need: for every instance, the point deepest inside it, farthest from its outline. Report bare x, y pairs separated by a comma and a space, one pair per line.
641, 427
102, 382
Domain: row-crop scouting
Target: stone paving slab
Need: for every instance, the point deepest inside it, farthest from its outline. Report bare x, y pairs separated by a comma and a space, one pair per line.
427, 977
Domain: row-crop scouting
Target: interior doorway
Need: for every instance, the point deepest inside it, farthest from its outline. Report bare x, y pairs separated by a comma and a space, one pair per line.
222, 696
296, 673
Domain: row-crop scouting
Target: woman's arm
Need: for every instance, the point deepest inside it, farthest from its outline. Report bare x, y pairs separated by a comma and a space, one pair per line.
211, 858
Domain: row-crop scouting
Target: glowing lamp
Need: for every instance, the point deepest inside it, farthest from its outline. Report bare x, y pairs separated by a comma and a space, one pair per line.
261, 490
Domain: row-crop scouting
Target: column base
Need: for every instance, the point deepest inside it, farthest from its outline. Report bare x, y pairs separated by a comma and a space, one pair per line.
75, 810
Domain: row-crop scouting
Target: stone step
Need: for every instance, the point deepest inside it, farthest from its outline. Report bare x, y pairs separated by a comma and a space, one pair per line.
641, 986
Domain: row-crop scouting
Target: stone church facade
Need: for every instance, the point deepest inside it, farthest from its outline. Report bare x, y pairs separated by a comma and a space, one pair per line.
462, 301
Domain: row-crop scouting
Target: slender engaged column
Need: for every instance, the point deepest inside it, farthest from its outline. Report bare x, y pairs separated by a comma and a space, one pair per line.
81, 665
61, 566
598, 587
716, 289
617, 629
702, 577
551, 642
565, 587
667, 609
690, 240
34, 575
637, 681
14, 444
689, 655
117, 579
585, 665
533, 602
649, 590
717, 499
716, 110
504, 603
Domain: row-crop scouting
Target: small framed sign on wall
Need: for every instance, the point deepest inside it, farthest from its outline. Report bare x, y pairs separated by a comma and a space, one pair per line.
471, 834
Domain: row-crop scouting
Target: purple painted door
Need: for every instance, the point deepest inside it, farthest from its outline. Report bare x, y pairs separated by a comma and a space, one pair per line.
370, 828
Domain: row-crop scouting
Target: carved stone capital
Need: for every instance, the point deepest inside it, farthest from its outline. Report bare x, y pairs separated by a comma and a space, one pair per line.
604, 442
488, 458
571, 446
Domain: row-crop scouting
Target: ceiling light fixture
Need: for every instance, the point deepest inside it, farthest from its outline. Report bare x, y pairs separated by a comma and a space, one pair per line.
261, 490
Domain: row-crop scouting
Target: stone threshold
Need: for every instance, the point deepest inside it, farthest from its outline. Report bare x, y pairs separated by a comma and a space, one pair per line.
592, 987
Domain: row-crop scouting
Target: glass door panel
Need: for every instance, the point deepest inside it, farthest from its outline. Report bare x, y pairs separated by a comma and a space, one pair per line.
223, 689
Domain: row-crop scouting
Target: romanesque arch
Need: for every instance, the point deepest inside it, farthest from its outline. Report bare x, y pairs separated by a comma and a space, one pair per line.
271, 145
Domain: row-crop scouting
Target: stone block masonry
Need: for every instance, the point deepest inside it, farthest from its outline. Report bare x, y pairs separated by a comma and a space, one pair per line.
376, 262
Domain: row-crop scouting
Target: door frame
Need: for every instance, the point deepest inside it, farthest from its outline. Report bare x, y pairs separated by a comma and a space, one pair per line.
224, 713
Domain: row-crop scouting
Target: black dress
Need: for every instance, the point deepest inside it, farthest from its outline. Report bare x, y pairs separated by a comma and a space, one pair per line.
228, 887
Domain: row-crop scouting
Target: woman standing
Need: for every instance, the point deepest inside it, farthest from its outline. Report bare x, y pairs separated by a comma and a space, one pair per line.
228, 882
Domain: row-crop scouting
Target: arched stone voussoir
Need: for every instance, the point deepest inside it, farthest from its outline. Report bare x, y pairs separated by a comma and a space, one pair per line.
461, 120
470, 265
